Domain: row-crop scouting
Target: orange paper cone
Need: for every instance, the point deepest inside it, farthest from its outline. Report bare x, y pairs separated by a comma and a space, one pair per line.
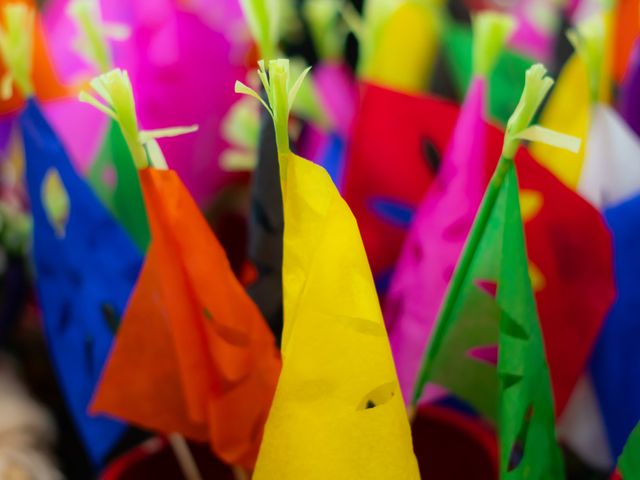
225, 362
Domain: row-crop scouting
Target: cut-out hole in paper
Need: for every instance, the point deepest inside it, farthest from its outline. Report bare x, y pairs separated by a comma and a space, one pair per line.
538, 280
486, 353
509, 380
513, 329
430, 154
396, 213
109, 177
519, 446
55, 201
110, 316
88, 354
378, 396
457, 230
229, 334
531, 201
488, 286
65, 316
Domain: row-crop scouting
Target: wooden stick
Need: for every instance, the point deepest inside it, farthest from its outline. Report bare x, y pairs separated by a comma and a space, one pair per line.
412, 411
185, 458
240, 473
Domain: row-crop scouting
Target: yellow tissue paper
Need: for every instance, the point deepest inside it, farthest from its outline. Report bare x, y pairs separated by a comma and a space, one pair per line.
338, 411
407, 49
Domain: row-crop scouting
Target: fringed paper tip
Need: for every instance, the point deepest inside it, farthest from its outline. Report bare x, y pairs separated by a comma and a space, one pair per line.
536, 87
154, 154
280, 96
115, 99
55, 201
588, 39
170, 132
92, 43
491, 30
262, 17
328, 32
352, 19
307, 105
539, 134
370, 29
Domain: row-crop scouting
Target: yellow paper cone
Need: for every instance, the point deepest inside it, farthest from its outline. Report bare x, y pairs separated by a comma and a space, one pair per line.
338, 411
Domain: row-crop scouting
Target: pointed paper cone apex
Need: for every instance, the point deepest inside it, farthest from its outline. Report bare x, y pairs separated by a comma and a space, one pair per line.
536, 87
114, 97
280, 99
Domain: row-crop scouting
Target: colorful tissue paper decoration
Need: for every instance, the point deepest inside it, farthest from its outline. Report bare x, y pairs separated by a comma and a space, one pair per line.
47, 84
86, 267
625, 33
219, 364
505, 80
535, 34
615, 361
115, 180
380, 192
338, 94
209, 365
80, 128
607, 175
408, 256
400, 41
338, 410
384, 210
630, 91
487, 347
167, 41
567, 108
629, 461
424, 268
85, 263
